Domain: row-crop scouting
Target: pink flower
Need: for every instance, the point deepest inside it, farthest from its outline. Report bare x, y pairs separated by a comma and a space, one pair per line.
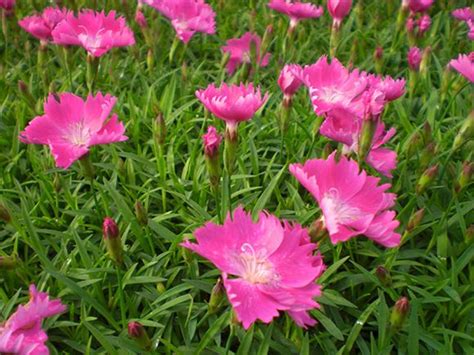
296, 10
470, 24
414, 58
410, 24
424, 23
420, 5
271, 264
331, 84
289, 83
464, 14
22, 332
42, 25
338, 9
351, 201
71, 126
392, 89
239, 50
212, 140
345, 127
94, 31
464, 64
187, 16
7, 5
233, 103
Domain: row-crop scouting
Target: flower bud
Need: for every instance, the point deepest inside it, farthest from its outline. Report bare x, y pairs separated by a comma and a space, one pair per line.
140, 19
111, 234
317, 230
427, 155
212, 141
469, 237
413, 144
425, 60
217, 294
150, 59
5, 215
141, 213
8, 262
415, 219
378, 59
160, 129
399, 313
465, 176
465, 133
137, 331
414, 58
426, 179
383, 275
160, 287
266, 40
366, 137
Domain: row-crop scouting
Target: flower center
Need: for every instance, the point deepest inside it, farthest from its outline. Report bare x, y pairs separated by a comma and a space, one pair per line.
255, 269
336, 211
78, 135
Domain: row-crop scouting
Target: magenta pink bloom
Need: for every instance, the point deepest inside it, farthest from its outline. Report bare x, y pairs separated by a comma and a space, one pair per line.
351, 201
71, 126
187, 16
267, 266
414, 58
464, 64
463, 14
42, 25
22, 333
424, 24
94, 31
420, 5
296, 10
331, 84
234, 103
338, 9
7, 5
392, 88
239, 51
288, 82
212, 140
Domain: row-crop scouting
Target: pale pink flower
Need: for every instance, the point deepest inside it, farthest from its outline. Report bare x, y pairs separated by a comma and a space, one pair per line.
351, 201
464, 64
71, 126
212, 140
94, 31
420, 5
331, 84
414, 58
288, 82
338, 9
424, 24
345, 127
239, 50
234, 103
463, 14
187, 16
267, 266
41, 25
22, 332
296, 10
7, 5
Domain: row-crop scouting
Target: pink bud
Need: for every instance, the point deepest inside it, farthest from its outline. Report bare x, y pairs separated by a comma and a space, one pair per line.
140, 19
424, 23
287, 80
212, 140
109, 228
414, 58
339, 9
410, 25
378, 53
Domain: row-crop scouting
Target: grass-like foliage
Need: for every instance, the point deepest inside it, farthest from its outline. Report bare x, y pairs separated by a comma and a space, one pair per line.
156, 187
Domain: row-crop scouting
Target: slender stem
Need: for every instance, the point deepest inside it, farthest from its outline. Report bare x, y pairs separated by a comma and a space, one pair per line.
121, 296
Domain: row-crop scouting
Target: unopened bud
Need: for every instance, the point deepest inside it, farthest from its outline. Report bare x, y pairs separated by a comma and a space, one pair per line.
150, 59
111, 234
8, 262
266, 40
141, 213
470, 233
160, 287
413, 144
378, 59
399, 313
427, 133
427, 155
317, 230
366, 137
5, 215
415, 219
140, 19
426, 179
160, 129
328, 149
137, 331
465, 176
217, 294
383, 275
466, 132
425, 60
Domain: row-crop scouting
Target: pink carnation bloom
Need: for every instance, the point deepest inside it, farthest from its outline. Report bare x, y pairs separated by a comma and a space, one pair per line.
464, 14
41, 26
464, 64
414, 58
288, 82
234, 103
392, 89
22, 332
239, 51
271, 264
331, 84
420, 5
338, 9
212, 140
345, 127
424, 23
187, 16
351, 201
7, 5
296, 10
71, 126
94, 31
